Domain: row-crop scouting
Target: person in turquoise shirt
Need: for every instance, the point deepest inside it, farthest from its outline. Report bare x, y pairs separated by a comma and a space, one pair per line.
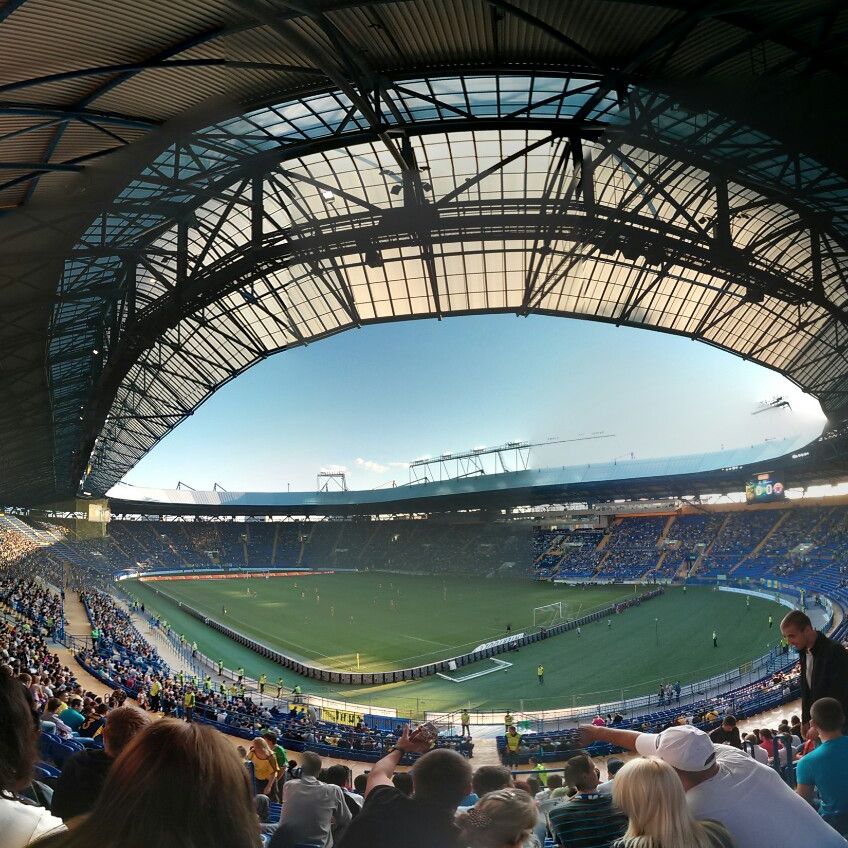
824, 769
72, 716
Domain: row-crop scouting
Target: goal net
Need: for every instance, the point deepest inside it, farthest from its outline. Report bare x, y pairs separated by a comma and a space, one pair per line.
548, 614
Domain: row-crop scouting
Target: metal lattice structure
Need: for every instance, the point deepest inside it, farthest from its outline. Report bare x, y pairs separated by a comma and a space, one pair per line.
324, 166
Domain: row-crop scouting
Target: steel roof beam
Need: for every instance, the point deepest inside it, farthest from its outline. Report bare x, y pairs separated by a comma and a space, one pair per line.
40, 166
117, 79
626, 314
468, 226
328, 64
107, 118
133, 68
557, 35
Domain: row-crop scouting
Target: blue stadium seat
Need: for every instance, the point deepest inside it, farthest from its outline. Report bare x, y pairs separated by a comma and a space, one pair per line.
44, 771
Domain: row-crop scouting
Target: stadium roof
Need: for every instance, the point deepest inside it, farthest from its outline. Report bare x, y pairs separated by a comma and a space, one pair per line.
719, 472
191, 188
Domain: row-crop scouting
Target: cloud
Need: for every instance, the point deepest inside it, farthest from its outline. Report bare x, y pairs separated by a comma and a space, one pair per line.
370, 465
398, 465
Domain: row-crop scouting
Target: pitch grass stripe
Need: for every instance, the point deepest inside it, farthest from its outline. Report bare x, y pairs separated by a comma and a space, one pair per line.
466, 607
369, 663
344, 662
631, 658
232, 621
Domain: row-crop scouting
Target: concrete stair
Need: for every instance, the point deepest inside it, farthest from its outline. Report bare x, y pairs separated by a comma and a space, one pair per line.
774, 528
666, 529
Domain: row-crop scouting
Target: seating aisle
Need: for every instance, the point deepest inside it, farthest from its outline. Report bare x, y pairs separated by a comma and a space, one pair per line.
155, 637
76, 624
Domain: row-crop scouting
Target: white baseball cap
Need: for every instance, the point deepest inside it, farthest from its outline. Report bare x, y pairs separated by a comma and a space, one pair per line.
683, 747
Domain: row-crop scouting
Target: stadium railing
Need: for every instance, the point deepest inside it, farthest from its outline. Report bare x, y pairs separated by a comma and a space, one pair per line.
551, 746
744, 675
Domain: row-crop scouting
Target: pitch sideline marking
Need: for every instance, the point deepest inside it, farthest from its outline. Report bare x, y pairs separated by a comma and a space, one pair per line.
429, 641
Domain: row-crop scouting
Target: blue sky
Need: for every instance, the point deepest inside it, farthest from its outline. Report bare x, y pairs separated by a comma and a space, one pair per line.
370, 400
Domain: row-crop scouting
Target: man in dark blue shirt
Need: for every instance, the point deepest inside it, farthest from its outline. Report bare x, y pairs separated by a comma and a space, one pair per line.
389, 819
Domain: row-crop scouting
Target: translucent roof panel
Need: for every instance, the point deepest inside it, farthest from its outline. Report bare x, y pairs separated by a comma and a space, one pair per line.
520, 193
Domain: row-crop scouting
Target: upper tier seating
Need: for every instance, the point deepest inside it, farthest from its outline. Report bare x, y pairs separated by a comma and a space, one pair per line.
690, 534
633, 548
739, 536
567, 553
414, 546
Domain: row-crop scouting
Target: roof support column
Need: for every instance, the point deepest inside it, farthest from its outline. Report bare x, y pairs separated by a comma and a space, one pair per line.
721, 225
129, 296
182, 254
816, 261
584, 164
257, 201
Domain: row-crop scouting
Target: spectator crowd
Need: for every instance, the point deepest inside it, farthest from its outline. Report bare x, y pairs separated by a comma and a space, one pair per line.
101, 771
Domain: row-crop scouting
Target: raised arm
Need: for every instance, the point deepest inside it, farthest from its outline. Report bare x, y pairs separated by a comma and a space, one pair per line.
381, 773
626, 739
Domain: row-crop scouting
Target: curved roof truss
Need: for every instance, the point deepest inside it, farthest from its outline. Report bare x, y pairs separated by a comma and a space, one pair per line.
589, 102
480, 192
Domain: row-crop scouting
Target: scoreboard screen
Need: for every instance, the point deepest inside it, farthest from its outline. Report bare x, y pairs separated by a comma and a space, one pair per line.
764, 487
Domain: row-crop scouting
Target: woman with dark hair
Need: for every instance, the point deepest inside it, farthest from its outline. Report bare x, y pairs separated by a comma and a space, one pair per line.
770, 743
174, 784
20, 824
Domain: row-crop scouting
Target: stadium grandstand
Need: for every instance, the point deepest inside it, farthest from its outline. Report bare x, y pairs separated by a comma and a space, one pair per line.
454, 662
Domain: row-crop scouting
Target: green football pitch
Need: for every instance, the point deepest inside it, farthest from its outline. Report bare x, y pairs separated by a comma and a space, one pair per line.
396, 621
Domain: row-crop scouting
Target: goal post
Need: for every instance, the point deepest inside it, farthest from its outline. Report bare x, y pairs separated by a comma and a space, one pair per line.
547, 614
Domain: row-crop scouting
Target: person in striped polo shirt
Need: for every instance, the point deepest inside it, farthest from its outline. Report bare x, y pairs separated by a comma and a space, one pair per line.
589, 819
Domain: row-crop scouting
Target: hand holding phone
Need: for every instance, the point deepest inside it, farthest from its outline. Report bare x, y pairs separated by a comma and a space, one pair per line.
423, 738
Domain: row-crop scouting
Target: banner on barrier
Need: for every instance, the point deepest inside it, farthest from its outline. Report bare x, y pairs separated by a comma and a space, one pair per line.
340, 716
495, 643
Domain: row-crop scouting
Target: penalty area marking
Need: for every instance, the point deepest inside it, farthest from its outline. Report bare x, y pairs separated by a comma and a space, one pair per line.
499, 664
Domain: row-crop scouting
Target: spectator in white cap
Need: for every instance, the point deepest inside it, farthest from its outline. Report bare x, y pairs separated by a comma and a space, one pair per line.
649, 793
726, 785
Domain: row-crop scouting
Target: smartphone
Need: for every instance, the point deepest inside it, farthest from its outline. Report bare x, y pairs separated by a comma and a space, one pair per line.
425, 732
